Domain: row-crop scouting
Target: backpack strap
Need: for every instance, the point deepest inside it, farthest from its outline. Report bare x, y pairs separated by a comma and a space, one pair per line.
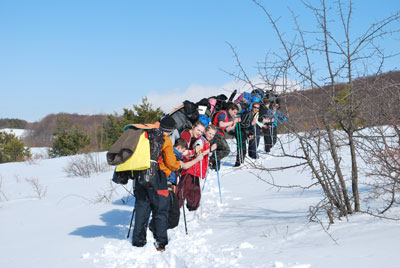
142, 126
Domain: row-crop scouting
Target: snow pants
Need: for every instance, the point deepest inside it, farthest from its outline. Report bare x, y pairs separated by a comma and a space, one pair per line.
189, 189
151, 199
270, 135
253, 144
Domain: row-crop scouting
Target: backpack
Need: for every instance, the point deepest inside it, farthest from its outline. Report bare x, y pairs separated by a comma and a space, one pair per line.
221, 103
205, 120
142, 163
271, 97
185, 115
259, 93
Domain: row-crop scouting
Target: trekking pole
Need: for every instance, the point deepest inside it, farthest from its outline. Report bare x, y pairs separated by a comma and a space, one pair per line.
219, 183
204, 184
183, 207
241, 144
130, 226
133, 212
237, 140
272, 137
205, 180
201, 175
255, 139
183, 202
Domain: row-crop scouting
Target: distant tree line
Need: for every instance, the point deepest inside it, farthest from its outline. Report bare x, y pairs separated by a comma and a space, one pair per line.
69, 134
70, 139
12, 123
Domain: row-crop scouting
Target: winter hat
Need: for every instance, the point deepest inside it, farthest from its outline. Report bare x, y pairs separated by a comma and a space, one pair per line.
167, 124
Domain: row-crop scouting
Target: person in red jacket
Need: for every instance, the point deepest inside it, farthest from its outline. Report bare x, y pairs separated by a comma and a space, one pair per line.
225, 121
191, 135
190, 182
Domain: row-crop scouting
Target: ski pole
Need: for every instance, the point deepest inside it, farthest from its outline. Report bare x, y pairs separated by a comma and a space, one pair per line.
272, 137
183, 207
240, 144
130, 226
205, 180
237, 140
134, 208
219, 183
255, 138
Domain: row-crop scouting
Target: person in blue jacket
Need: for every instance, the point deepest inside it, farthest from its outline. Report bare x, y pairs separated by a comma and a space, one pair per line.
270, 128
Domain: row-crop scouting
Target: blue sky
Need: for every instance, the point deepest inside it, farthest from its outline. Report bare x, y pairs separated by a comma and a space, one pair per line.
95, 56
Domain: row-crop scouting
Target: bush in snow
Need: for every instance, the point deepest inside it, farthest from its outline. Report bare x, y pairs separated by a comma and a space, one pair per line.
86, 165
40, 190
68, 139
2, 194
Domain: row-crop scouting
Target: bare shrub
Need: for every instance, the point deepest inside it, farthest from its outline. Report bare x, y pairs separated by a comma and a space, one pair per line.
35, 159
39, 189
86, 165
329, 115
105, 196
17, 178
1, 190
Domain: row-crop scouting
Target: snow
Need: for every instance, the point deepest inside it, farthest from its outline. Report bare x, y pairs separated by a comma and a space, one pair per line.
17, 132
71, 225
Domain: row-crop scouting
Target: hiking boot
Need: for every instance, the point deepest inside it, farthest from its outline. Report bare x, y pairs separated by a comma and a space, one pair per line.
159, 248
237, 164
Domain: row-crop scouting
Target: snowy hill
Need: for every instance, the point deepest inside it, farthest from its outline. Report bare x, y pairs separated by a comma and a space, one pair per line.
48, 220
17, 132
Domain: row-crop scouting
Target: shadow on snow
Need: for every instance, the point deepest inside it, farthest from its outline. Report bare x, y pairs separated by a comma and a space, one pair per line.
116, 226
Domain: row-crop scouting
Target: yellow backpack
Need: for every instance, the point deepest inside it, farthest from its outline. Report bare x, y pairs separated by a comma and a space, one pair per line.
140, 159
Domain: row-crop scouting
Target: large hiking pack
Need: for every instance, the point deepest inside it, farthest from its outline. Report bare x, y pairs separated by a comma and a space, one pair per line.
185, 115
218, 103
245, 100
135, 153
204, 108
270, 96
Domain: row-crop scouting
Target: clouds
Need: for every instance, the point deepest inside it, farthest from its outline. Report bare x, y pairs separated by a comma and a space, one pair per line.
174, 98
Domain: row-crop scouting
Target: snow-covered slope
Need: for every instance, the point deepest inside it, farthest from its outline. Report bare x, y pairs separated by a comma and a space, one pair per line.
71, 225
17, 132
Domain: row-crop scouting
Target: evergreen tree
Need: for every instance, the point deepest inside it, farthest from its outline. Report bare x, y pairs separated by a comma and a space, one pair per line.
144, 113
68, 139
141, 113
12, 148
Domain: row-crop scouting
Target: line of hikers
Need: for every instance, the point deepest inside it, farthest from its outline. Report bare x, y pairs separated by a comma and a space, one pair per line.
177, 169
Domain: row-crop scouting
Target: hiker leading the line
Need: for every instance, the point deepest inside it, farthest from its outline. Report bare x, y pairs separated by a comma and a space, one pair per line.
270, 128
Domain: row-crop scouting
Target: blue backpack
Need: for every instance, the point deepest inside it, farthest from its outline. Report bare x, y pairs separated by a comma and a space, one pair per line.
204, 119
